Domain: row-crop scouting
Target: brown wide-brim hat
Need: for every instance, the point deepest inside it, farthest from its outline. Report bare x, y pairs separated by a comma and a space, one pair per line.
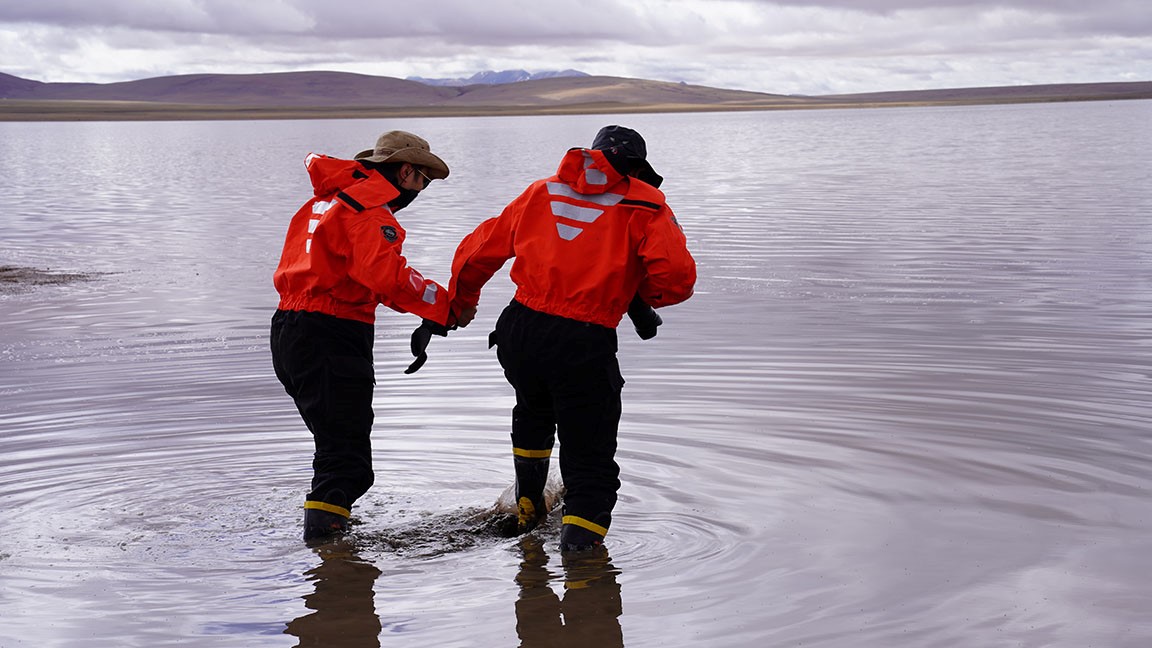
401, 146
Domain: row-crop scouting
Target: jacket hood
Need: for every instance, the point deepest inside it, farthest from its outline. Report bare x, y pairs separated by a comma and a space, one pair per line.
330, 174
588, 171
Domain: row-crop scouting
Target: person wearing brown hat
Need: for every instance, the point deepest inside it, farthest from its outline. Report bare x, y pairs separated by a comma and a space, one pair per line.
341, 259
591, 242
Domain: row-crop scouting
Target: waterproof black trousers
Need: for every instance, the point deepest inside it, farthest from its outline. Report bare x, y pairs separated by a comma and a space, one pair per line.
568, 384
325, 365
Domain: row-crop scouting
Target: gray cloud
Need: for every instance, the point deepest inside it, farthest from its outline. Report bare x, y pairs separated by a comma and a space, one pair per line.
782, 46
520, 22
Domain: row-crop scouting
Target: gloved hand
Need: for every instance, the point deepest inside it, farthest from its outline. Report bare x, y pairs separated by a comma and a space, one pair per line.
420, 339
644, 318
464, 317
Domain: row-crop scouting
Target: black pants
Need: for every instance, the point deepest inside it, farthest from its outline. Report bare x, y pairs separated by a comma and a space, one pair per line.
567, 383
325, 365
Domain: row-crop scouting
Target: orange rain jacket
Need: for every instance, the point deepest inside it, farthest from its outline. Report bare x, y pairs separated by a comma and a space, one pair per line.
585, 241
342, 255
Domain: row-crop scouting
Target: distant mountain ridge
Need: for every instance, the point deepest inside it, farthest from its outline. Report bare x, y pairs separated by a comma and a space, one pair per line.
492, 77
323, 95
277, 89
338, 89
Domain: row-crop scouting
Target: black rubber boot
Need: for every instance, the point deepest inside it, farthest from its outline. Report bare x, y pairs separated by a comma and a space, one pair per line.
321, 525
531, 477
579, 534
325, 520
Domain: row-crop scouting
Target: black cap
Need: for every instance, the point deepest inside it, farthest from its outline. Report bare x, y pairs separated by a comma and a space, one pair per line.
625, 140
625, 147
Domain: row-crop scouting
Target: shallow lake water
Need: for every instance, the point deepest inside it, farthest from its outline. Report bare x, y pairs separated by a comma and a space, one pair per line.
908, 405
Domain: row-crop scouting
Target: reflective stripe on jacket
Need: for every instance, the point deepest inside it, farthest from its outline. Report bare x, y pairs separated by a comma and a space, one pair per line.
342, 255
585, 241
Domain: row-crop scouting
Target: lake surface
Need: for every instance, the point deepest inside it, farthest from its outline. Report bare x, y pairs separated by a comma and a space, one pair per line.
908, 405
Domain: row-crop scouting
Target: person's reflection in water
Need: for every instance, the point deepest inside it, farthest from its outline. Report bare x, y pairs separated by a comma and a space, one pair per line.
587, 615
344, 614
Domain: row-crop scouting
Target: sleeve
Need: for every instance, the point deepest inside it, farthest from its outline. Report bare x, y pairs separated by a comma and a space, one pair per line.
481, 254
671, 270
376, 262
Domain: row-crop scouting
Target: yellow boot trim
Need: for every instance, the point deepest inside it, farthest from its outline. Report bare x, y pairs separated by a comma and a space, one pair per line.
532, 454
325, 506
527, 512
581, 522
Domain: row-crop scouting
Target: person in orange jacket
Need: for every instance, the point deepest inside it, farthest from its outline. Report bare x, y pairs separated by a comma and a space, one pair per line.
341, 259
588, 242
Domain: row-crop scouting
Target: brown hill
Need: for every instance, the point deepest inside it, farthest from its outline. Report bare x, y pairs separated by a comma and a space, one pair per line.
296, 89
275, 89
14, 86
320, 95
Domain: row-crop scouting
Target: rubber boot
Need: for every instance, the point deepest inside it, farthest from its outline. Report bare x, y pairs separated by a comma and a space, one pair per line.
325, 520
581, 534
531, 477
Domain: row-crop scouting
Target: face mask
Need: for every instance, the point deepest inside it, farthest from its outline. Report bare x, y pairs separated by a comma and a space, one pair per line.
403, 200
406, 195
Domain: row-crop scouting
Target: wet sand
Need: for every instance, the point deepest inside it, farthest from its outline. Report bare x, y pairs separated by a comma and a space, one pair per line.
15, 278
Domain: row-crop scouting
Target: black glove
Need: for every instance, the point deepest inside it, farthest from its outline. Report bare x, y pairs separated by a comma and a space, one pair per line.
420, 339
644, 318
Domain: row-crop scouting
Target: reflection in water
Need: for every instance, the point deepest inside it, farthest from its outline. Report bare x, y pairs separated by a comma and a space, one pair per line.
344, 613
588, 614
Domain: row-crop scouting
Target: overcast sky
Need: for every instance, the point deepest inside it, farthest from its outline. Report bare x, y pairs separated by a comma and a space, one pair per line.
801, 47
